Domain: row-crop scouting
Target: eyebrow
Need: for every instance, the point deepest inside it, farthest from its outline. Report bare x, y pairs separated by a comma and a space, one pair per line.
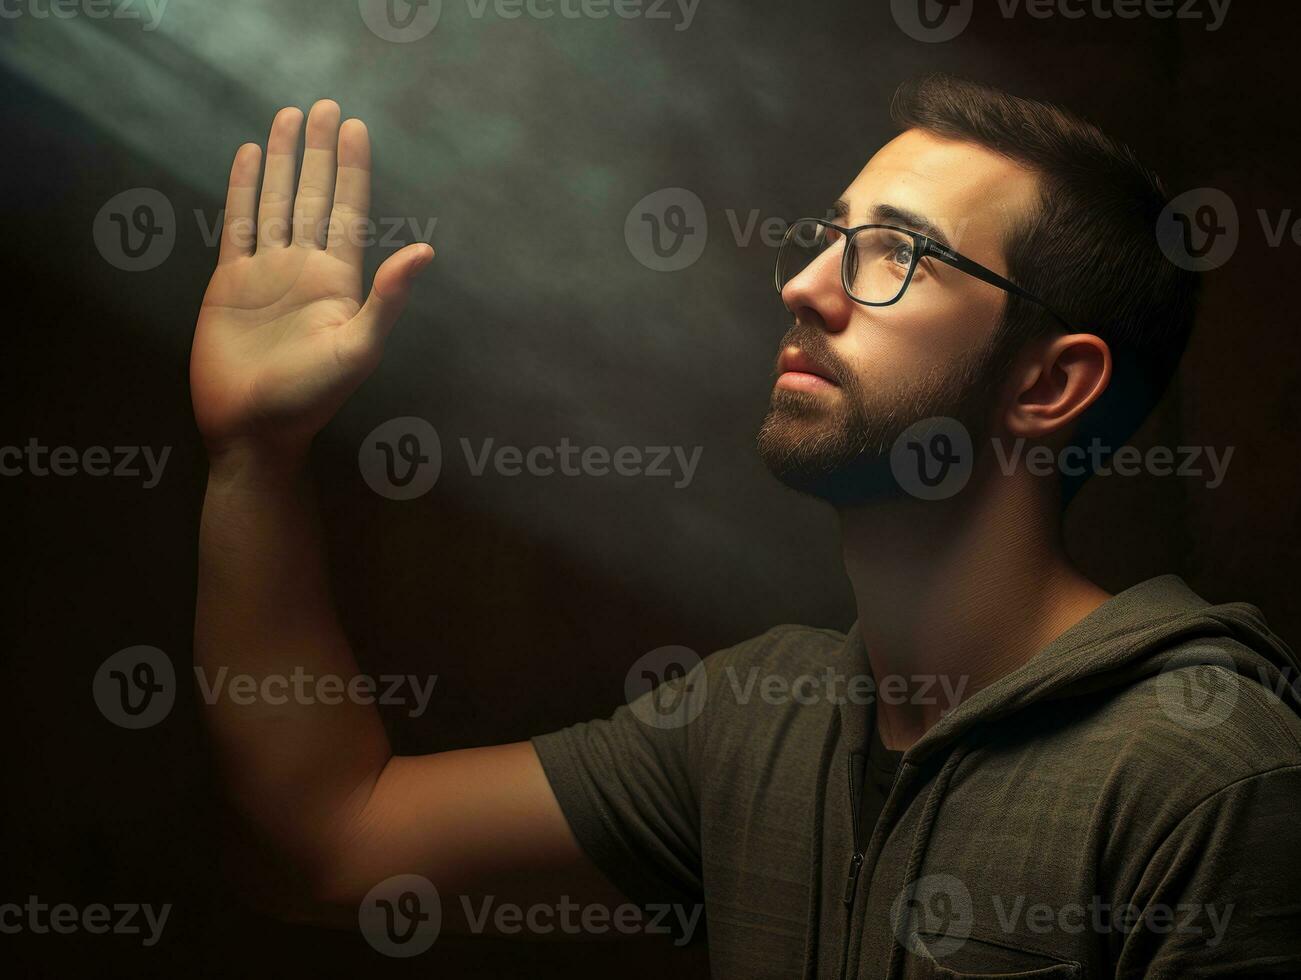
893, 214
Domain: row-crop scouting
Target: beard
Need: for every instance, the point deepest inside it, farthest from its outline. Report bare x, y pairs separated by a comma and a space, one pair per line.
839, 450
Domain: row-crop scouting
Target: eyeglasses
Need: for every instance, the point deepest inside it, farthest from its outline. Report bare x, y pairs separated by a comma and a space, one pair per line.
878, 261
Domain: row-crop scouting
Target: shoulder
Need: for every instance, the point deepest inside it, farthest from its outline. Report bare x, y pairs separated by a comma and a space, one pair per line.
769, 694
764, 678
787, 649
1186, 742
1224, 721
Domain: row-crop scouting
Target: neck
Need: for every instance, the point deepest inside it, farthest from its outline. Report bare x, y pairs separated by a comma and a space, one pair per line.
954, 594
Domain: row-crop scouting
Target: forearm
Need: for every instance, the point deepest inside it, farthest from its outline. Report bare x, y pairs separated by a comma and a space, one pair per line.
298, 770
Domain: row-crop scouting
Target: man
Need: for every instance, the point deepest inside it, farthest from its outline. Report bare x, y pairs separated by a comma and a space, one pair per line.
1000, 769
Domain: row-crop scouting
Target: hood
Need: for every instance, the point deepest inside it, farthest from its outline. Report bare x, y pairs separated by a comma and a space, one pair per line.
1155, 626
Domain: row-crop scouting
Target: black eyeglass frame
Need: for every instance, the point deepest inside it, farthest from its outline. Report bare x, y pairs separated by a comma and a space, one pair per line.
923, 246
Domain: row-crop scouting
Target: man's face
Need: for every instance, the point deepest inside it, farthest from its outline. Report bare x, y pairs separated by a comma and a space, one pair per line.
851, 377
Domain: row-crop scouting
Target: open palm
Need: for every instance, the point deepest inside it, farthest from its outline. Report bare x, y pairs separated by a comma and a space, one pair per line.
283, 336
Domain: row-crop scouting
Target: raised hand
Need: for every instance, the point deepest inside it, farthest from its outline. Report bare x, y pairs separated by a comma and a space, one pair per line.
283, 337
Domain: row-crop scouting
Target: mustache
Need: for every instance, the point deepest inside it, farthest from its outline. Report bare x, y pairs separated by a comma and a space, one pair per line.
814, 342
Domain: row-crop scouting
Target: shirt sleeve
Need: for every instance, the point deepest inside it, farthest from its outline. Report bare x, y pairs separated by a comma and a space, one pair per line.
626, 785
1221, 896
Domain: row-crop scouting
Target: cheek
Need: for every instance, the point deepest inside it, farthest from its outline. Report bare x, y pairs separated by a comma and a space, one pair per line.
902, 342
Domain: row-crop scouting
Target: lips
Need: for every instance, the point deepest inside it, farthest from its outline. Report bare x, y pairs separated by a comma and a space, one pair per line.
798, 361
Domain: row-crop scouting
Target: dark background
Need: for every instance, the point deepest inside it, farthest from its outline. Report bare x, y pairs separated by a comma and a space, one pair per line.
529, 140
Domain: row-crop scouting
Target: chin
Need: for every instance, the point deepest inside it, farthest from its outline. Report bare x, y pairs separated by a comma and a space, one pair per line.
862, 481
819, 451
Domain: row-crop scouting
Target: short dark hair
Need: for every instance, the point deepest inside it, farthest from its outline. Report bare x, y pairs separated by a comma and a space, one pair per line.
1090, 250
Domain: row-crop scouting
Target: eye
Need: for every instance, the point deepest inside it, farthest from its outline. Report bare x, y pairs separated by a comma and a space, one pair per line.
901, 254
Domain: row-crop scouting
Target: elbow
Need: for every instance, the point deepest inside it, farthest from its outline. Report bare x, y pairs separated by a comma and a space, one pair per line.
294, 891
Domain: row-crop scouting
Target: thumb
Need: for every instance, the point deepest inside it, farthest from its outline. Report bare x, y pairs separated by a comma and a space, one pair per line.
391, 289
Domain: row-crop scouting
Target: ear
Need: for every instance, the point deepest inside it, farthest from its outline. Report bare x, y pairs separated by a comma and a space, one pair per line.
1055, 380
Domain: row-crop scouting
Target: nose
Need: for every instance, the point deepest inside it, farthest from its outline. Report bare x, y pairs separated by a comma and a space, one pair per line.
816, 294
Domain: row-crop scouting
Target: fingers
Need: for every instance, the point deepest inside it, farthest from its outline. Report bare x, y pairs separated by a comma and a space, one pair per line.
276, 203
239, 228
316, 182
348, 219
389, 294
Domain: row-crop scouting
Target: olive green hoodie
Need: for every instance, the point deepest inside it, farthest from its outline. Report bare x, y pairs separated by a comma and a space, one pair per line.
1124, 804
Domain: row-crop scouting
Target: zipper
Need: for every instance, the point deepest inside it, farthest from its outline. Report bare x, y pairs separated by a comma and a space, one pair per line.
851, 880
856, 859
855, 802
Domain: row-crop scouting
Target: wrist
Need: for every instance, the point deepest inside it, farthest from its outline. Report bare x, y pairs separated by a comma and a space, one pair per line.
247, 463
